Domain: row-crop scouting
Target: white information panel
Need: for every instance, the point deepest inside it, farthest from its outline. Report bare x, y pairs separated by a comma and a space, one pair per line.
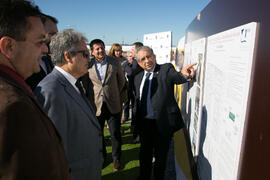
228, 67
195, 94
161, 44
185, 102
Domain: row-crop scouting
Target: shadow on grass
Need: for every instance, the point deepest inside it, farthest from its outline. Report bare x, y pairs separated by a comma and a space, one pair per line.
125, 128
127, 136
129, 157
127, 139
126, 157
130, 174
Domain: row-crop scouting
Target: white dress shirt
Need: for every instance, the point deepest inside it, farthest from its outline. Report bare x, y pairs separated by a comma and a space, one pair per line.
101, 69
69, 77
150, 113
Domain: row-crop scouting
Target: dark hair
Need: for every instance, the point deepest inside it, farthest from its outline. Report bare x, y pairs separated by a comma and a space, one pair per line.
96, 41
45, 17
13, 18
137, 45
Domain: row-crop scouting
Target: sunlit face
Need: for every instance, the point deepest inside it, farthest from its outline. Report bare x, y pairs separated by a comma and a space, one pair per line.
79, 63
28, 53
146, 60
118, 53
129, 56
98, 52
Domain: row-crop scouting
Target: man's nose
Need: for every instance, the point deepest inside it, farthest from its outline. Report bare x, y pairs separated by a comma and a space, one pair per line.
147, 59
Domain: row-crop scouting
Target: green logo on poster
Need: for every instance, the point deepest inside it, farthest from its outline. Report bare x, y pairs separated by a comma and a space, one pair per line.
232, 116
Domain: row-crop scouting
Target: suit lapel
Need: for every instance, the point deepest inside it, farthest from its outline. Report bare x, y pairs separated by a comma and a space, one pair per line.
137, 82
71, 91
154, 82
93, 72
108, 70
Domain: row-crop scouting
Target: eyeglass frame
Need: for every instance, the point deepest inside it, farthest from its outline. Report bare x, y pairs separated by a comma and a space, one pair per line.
85, 53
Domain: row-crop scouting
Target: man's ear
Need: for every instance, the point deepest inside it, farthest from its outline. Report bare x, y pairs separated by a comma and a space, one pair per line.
8, 47
68, 56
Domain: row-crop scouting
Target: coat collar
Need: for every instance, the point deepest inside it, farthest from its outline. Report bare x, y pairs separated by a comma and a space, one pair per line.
70, 90
93, 72
156, 70
154, 83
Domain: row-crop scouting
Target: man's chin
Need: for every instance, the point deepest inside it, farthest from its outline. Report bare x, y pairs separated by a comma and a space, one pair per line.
149, 68
37, 70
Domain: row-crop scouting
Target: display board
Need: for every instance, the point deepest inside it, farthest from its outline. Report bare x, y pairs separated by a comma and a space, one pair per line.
229, 60
179, 54
161, 44
195, 54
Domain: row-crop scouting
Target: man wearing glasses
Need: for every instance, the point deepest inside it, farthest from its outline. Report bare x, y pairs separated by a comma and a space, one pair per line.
30, 146
157, 115
63, 97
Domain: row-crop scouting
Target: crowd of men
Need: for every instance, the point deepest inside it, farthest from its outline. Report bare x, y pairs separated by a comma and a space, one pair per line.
55, 100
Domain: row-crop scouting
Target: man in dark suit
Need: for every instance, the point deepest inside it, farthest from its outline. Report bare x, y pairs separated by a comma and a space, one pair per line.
108, 81
30, 146
46, 65
157, 113
62, 96
131, 68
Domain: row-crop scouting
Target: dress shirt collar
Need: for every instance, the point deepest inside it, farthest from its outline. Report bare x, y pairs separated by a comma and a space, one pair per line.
151, 75
68, 76
103, 62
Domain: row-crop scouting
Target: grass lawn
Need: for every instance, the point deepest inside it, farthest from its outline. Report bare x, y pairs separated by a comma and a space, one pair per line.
129, 158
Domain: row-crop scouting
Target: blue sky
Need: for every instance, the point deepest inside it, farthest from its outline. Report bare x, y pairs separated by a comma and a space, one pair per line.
123, 21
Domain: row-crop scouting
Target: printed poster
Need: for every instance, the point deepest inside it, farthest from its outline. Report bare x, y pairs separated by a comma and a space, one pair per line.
228, 70
196, 54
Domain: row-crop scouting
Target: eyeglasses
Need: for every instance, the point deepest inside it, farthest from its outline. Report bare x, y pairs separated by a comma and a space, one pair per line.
85, 53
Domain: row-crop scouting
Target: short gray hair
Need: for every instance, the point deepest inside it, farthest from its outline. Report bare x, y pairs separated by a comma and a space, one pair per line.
144, 48
65, 41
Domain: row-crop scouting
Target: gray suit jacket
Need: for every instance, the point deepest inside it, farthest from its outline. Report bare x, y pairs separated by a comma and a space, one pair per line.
77, 124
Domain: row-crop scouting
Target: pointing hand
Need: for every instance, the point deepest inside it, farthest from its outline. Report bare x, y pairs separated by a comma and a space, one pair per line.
188, 70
